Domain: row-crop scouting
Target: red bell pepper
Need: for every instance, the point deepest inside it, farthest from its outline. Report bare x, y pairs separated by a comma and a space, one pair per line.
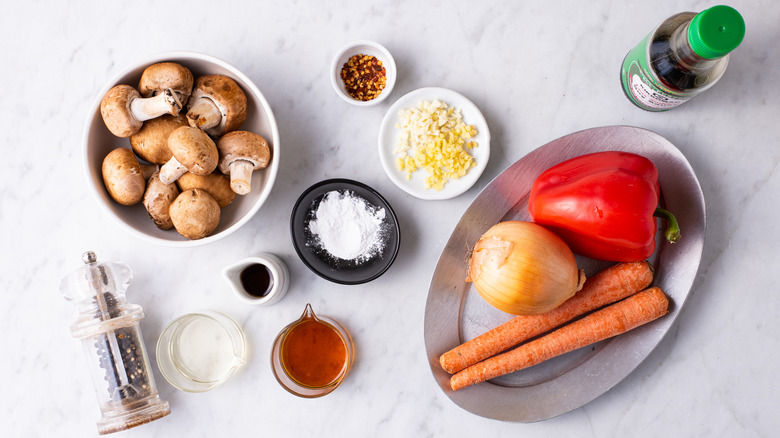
603, 205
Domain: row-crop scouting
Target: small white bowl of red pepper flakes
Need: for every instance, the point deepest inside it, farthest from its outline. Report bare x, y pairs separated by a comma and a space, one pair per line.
363, 73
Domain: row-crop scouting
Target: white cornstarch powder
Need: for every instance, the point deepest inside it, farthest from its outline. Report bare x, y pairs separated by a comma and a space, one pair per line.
348, 227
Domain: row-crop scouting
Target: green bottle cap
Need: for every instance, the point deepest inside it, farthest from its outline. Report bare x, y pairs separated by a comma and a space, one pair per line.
716, 31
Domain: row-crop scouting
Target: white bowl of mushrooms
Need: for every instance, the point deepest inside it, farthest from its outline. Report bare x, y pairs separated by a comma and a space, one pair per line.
182, 149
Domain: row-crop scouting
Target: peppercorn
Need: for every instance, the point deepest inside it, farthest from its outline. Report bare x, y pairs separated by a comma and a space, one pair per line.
125, 371
364, 77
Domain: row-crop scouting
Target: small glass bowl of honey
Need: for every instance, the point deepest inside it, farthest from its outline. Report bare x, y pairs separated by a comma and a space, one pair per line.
312, 355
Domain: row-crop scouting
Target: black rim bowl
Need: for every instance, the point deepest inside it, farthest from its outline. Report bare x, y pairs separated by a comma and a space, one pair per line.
320, 261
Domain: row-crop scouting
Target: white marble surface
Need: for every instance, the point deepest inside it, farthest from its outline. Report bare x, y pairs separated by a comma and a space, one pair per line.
537, 70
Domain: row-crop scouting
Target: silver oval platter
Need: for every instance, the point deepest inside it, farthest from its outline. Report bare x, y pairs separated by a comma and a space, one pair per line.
455, 313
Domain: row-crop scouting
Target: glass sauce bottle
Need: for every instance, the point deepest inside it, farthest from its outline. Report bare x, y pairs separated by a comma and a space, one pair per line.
684, 56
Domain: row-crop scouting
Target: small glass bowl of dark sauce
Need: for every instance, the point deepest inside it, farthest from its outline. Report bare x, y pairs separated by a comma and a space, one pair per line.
258, 280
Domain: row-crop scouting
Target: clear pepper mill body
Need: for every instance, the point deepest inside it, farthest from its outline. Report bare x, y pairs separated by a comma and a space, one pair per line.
109, 329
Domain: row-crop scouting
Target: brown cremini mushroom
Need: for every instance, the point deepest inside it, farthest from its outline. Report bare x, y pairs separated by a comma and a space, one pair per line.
216, 184
157, 200
217, 105
240, 154
195, 214
124, 177
151, 142
124, 110
193, 150
167, 76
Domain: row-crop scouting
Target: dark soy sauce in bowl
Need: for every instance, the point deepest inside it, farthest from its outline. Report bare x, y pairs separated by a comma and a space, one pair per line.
257, 280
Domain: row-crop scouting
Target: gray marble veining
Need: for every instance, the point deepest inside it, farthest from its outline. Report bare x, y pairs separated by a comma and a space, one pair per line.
537, 71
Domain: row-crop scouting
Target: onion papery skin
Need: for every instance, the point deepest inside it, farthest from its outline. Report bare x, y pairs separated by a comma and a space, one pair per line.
522, 268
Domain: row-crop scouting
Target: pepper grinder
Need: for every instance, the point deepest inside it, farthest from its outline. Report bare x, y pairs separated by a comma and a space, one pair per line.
109, 329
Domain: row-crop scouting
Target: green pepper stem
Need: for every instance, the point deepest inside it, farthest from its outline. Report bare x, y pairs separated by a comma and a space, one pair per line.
672, 232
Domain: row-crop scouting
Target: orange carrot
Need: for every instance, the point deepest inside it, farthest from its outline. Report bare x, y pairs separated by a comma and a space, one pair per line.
608, 286
610, 321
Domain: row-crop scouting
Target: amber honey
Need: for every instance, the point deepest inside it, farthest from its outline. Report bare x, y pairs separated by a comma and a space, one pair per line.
313, 353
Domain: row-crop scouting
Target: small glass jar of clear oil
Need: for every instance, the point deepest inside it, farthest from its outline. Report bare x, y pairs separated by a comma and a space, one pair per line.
199, 351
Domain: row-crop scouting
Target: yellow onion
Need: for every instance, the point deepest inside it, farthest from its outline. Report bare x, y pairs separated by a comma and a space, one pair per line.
523, 268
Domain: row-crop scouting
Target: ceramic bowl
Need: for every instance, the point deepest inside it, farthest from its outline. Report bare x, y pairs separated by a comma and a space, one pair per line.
362, 48
389, 133
98, 142
318, 259
276, 269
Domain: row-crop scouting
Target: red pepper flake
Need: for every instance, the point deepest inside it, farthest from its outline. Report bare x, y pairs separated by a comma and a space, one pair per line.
364, 77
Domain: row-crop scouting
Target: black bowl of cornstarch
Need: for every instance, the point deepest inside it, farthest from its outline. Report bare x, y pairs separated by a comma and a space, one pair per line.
345, 231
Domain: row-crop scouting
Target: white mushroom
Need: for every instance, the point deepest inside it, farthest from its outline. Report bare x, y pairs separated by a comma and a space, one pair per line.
215, 184
124, 177
158, 199
217, 105
241, 153
193, 150
195, 214
124, 110
167, 76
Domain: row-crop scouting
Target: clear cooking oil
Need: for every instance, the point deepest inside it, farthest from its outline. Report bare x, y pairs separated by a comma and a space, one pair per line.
199, 351
203, 350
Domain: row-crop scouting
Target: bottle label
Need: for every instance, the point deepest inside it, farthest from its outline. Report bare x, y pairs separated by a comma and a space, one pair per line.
642, 87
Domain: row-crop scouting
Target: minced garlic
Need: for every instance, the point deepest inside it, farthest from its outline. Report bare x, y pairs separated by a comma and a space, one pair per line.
435, 138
